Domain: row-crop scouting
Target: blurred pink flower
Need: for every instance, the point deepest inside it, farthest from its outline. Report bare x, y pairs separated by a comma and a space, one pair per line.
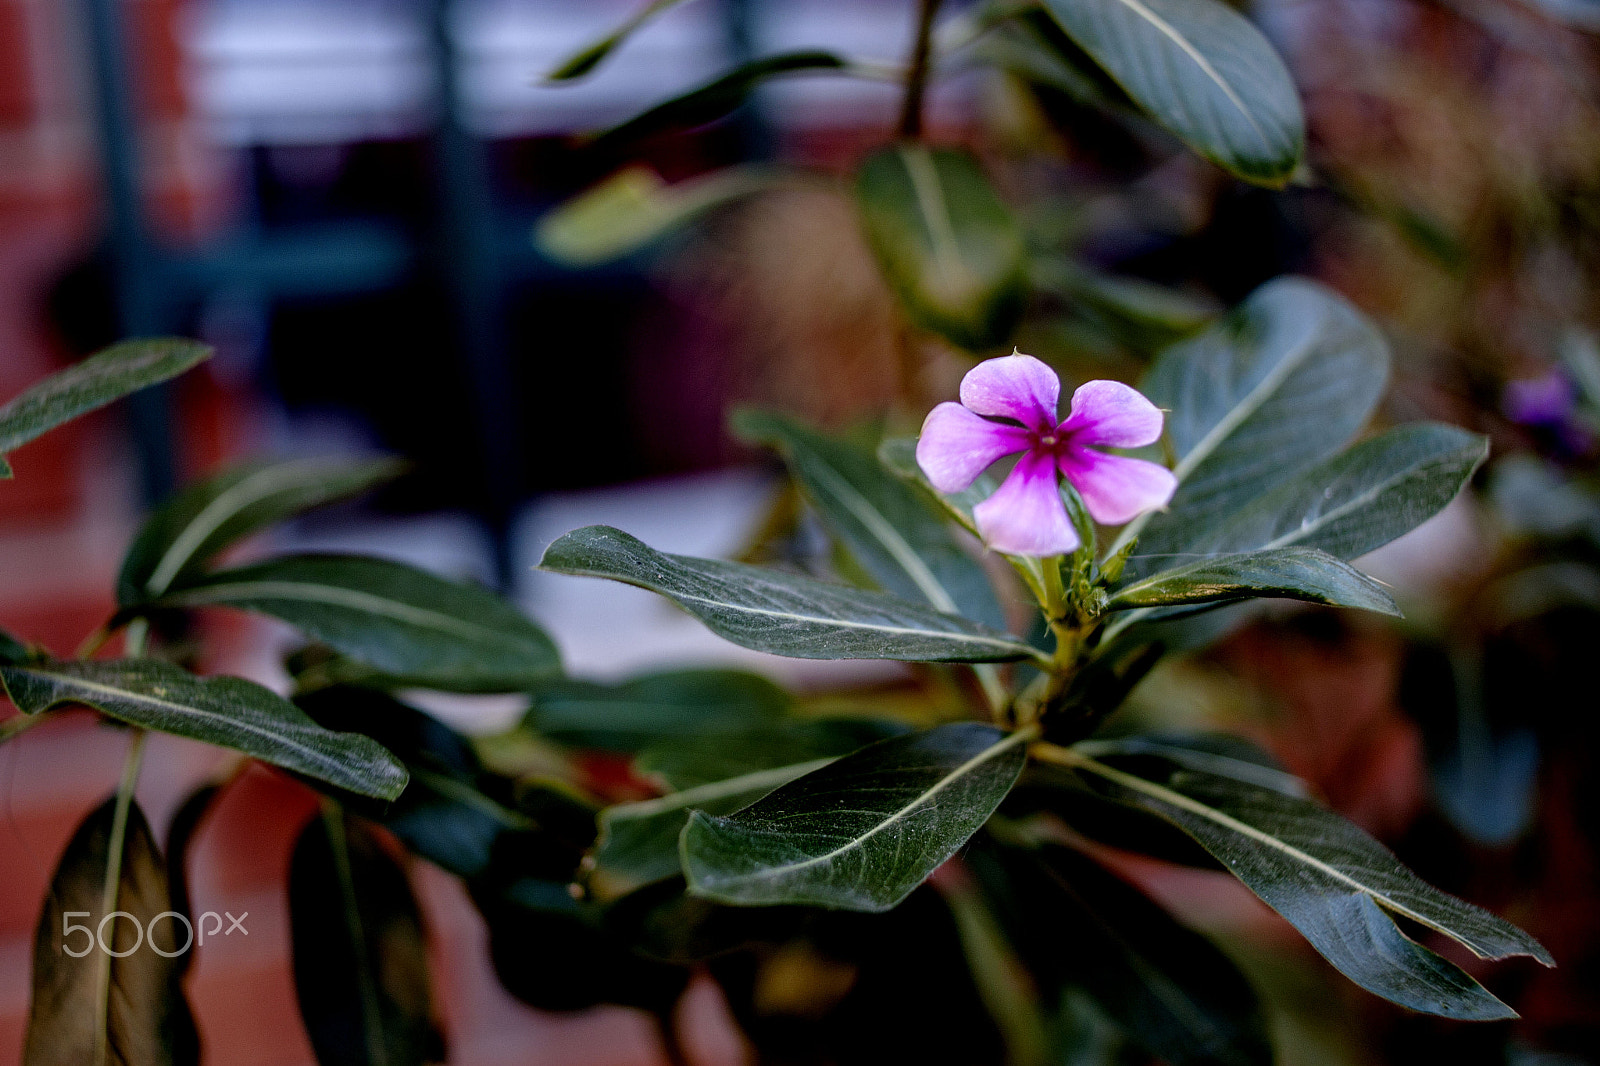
1026, 515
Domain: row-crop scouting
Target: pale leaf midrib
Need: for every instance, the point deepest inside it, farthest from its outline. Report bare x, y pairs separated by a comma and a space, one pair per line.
61, 682
732, 786
212, 516
1165, 28
900, 815
1193, 806
314, 592
1011, 647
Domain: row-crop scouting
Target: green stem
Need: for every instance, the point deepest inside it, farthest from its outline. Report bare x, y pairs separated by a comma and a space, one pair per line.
13, 727
371, 1011
917, 71
136, 637
113, 883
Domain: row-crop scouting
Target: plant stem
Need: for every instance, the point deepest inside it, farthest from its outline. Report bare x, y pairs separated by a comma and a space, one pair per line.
917, 71
12, 727
108, 896
371, 1011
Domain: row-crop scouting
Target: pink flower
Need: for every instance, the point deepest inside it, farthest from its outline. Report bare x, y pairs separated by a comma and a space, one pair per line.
1026, 515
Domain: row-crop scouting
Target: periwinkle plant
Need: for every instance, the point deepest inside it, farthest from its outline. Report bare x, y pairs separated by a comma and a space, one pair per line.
916, 856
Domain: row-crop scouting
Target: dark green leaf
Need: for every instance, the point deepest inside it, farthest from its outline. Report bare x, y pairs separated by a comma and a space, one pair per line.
95, 382
639, 841
1033, 48
1201, 70
1167, 987
785, 614
947, 244
1289, 573
888, 529
563, 960
360, 951
12, 650
721, 97
633, 208
644, 710
1270, 391
205, 518
227, 711
1354, 503
406, 622
1336, 884
692, 759
1139, 314
453, 812
85, 998
593, 54
862, 832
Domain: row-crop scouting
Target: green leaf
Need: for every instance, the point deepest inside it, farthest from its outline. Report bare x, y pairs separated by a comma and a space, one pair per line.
700, 757
862, 832
1290, 573
644, 710
205, 518
948, 246
1167, 987
453, 812
1136, 313
361, 972
784, 614
227, 711
633, 208
1201, 70
12, 650
142, 1015
720, 97
639, 841
1274, 388
596, 52
1354, 503
95, 382
1333, 882
406, 622
1032, 47
906, 548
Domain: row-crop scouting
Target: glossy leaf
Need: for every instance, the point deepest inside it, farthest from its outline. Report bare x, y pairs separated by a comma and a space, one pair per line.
1273, 389
1203, 71
1354, 503
1332, 881
229, 712
862, 832
1167, 987
906, 548
86, 998
633, 208
785, 614
205, 518
720, 97
361, 972
644, 710
403, 621
1288, 573
639, 841
96, 381
947, 244
596, 52
1032, 47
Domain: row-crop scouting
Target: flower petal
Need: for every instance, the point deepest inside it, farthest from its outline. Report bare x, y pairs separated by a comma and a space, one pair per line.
1014, 386
1111, 413
956, 446
1026, 515
1115, 488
